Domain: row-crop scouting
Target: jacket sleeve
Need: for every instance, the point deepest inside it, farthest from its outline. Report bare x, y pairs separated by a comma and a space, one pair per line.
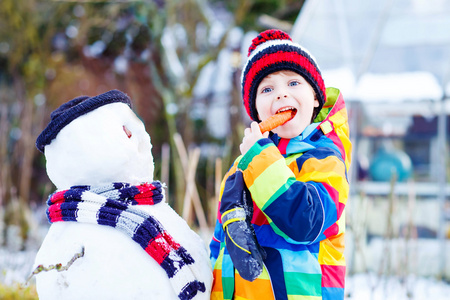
214, 245
304, 206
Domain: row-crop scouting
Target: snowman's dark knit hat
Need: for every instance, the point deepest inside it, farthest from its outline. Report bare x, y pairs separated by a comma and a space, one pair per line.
74, 108
271, 51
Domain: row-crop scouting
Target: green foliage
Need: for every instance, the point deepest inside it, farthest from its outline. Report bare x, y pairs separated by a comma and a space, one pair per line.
18, 292
45, 50
23, 33
284, 10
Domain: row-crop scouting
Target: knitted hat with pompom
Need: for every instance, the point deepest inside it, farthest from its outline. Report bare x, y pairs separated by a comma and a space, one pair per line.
272, 51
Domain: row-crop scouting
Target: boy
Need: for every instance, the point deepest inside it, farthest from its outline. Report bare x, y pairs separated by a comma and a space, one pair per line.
280, 227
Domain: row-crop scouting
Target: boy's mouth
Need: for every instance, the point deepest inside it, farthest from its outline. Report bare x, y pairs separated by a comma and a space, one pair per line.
288, 108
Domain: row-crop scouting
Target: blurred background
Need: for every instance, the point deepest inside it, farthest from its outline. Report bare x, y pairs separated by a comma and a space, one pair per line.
180, 62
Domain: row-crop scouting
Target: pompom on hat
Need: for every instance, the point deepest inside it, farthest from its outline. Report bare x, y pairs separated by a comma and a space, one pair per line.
271, 51
74, 108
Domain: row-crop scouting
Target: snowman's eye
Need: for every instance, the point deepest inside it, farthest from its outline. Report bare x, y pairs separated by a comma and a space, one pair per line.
127, 131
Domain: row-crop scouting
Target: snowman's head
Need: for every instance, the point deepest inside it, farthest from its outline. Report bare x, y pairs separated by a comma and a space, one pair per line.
96, 141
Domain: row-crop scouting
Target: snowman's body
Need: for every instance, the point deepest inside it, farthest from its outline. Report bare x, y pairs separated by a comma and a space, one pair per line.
113, 266
109, 144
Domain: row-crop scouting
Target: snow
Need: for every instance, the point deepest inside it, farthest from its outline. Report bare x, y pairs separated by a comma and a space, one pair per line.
391, 88
94, 150
370, 286
109, 144
412, 86
15, 268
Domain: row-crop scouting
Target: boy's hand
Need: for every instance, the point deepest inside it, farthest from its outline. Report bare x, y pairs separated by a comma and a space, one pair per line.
251, 136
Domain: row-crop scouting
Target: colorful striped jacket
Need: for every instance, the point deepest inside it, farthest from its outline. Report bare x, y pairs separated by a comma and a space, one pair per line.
299, 220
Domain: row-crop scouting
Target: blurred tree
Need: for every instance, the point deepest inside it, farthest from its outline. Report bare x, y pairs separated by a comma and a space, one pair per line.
51, 52
23, 57
252, 17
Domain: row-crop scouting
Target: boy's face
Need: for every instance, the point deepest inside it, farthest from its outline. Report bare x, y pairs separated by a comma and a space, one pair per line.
286, 90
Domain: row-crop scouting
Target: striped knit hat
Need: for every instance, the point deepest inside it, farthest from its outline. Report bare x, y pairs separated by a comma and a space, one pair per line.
71, 110
272, 51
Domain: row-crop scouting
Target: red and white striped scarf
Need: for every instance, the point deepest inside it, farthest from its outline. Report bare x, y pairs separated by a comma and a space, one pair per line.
115, 205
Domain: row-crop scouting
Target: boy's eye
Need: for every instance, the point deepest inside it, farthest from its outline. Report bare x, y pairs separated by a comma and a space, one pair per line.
266, 90
293, 83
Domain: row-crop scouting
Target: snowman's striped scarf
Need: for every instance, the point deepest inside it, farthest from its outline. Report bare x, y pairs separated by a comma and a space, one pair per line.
115, 205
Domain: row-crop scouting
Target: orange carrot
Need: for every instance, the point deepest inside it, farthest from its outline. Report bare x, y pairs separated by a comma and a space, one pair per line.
276, 120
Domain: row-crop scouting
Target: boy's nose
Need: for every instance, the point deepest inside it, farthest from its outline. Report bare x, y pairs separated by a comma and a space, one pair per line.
283, 96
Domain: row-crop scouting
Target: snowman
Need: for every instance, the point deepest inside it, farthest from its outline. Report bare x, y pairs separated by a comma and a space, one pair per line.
112, 235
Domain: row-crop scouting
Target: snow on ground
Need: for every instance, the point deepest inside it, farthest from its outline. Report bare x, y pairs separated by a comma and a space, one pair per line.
15, 267
373, 287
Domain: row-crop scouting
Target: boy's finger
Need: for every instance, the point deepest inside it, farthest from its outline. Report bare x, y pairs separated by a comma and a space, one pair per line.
255, 127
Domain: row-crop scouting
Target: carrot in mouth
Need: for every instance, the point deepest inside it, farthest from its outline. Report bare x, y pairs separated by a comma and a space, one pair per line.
276, 120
